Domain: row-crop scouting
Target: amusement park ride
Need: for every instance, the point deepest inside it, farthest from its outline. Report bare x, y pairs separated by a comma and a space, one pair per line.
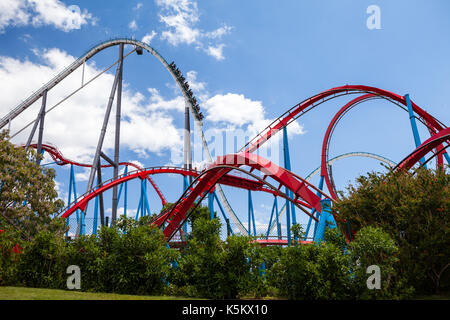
262, 175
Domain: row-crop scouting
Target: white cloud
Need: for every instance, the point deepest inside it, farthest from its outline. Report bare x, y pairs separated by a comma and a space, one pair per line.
149, 37
219, 33
133, 25
75, 124
157, 102
197, 86
13, 12
43, 12
233, 108
216, 52
181, 17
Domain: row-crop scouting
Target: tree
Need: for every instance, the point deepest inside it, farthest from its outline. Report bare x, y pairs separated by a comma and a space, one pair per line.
212, 268
414, 210
374, 247
28, 199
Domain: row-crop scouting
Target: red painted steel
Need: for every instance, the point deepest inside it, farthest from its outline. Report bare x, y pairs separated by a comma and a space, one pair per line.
230, 180
427, 146
326, 140
298, 186
58, 157
284, 120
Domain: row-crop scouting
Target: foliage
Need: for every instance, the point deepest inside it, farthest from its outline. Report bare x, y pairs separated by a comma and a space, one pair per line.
334, 236
373, 246
28, 199
42, 263
10, 248
297, 231
134, 262
316, 271
215, 269
414, 210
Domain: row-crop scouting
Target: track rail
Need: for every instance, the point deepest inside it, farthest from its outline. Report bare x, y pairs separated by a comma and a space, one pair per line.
179, 80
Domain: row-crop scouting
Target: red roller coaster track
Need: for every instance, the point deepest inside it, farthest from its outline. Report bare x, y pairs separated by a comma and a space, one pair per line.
218, 172
308, 104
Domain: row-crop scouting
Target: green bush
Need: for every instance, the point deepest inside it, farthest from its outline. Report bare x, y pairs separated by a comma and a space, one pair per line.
414, 210
316, 271
43, 262
9, 243
212, 268
373, 246
135, 262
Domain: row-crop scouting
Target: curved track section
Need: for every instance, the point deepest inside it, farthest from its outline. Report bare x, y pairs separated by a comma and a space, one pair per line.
325, 163
222, 166
60, 160
426, 147
300, 109
77, 63
173, 72
230, 180
331, 161
352, 155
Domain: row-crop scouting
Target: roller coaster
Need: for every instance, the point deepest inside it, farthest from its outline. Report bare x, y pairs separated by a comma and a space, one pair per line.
242, 170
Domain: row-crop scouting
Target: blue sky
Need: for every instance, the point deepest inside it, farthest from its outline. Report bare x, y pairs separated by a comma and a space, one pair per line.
259, 58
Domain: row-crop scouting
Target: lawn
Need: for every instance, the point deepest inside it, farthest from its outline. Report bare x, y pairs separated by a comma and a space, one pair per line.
19, 293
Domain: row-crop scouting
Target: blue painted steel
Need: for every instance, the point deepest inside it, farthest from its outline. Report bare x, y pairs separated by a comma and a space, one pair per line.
147, 204
125, 200
94, 227
277, 220
447, 157
138, 210
225, 217
262, 269
412, 119
83, 224
274, 211
185, 186
251, 215
211, 205
72, 191
290, 208
120, 193
313, 211
326, 219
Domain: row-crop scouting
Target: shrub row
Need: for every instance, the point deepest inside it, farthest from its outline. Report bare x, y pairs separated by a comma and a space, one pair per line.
136, 260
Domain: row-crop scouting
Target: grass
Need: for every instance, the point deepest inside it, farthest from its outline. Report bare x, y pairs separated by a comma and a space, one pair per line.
19, 293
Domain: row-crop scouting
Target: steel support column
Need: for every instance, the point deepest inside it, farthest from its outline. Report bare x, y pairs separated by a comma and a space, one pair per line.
41, 126
187, 140
100, 196
326, 220
412, 120
290, 208
211, 205
251, 215
320, 187
98, 150
39, 120
271, 217
117, 135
